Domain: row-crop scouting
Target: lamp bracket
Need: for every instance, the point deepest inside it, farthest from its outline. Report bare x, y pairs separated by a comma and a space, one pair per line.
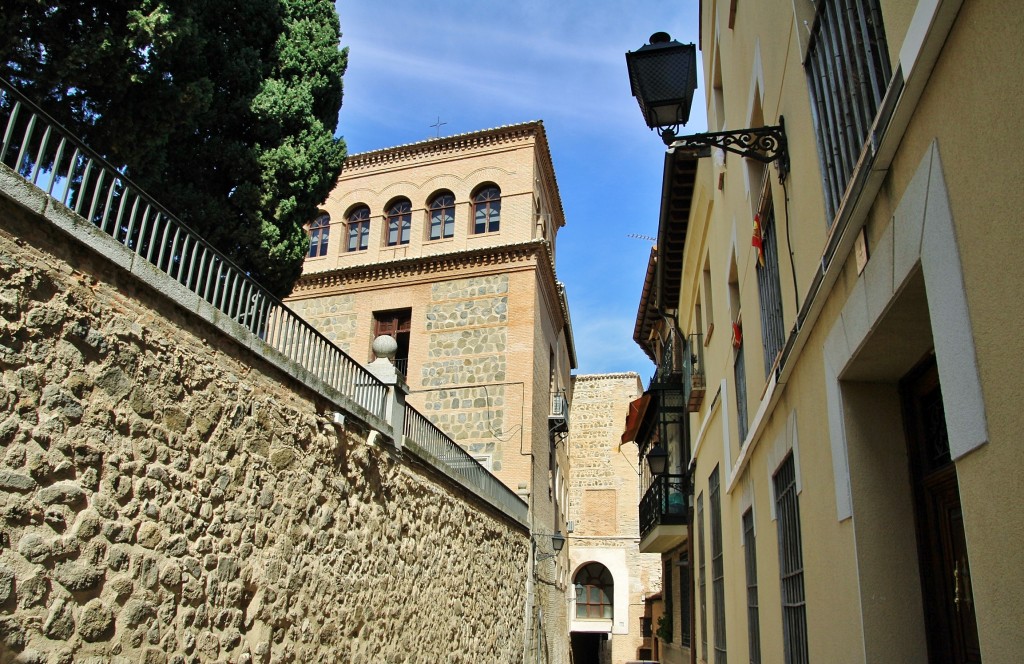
765, 144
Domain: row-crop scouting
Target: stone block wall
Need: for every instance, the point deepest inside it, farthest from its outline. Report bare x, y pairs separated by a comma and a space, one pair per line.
603, 502
166, 496
334, 316
466, 322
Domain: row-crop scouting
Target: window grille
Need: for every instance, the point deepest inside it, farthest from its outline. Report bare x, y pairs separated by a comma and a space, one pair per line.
848, 70
740, 376
753, 620
791, 565
666, 588
703, 586
685, 581
770, 291
717, 567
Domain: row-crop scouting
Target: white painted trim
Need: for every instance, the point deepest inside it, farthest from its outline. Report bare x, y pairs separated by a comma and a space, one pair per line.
922, 234
726, 446
767, 404
614, 559
786, 442
703, 431
837, 437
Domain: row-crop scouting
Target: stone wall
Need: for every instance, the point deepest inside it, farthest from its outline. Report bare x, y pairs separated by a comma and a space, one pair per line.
466, 320
166, 496
333, 316
603, 502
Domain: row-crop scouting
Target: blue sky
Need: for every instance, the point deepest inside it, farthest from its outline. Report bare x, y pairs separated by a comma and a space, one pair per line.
486, 63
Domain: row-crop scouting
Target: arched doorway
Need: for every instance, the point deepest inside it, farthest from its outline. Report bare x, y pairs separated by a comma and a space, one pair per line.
595, 592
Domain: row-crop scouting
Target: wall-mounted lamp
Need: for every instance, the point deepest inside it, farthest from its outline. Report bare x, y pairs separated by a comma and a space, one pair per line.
663, 76
657, 459
557, 544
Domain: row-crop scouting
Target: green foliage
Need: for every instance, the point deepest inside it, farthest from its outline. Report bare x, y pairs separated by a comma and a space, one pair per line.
664, 631
223, 110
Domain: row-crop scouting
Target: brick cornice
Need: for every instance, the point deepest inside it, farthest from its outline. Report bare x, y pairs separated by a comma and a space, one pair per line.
436, 264
445, 145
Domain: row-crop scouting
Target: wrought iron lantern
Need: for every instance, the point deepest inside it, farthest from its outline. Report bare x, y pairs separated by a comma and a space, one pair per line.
657, 459
663, 78
557, 544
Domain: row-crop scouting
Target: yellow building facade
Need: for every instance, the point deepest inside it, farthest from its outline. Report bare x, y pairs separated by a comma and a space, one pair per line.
846, 363
448, 246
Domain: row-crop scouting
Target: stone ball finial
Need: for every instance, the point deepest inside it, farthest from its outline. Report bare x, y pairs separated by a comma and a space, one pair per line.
385, 346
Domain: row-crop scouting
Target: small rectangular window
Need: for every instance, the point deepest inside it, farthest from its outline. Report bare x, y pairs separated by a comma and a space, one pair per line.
848, 71
791, 564
665, 632
395, 323
753, 619
702, 578
769, 288
685, 581
717, 567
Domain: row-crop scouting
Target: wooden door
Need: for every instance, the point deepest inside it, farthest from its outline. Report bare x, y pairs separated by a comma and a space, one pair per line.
950, 620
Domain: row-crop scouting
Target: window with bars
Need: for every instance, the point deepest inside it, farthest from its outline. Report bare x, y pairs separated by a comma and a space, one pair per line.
399, 222
769, 288
750, 556
442, 216
848, 70
717, 567
358, 223
319, 234
667, 597
685, 581
702, 578
739, 369
791, 564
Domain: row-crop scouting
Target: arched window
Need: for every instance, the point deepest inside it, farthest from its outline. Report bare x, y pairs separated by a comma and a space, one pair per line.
487, 210
399, 221
442, 215
319, 231
359, 228
594, 591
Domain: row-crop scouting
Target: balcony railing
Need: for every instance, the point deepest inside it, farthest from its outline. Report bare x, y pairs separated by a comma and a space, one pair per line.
50, 158
693, 372
558, 419
666, 503
435, 443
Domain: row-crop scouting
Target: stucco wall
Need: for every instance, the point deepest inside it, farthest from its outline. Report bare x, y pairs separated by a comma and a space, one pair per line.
167, 496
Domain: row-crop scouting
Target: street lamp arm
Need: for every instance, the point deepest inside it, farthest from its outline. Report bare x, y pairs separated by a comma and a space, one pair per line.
765, 144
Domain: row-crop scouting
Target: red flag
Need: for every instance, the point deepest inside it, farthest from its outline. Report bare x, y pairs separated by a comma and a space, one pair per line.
757, 241
737, 335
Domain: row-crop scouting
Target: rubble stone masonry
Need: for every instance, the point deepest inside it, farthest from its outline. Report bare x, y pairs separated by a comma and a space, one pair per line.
166, 496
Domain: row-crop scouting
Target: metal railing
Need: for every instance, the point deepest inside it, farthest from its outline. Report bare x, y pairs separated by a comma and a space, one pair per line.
438, 445
694, 381
848, 71
665, 503
49, 157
